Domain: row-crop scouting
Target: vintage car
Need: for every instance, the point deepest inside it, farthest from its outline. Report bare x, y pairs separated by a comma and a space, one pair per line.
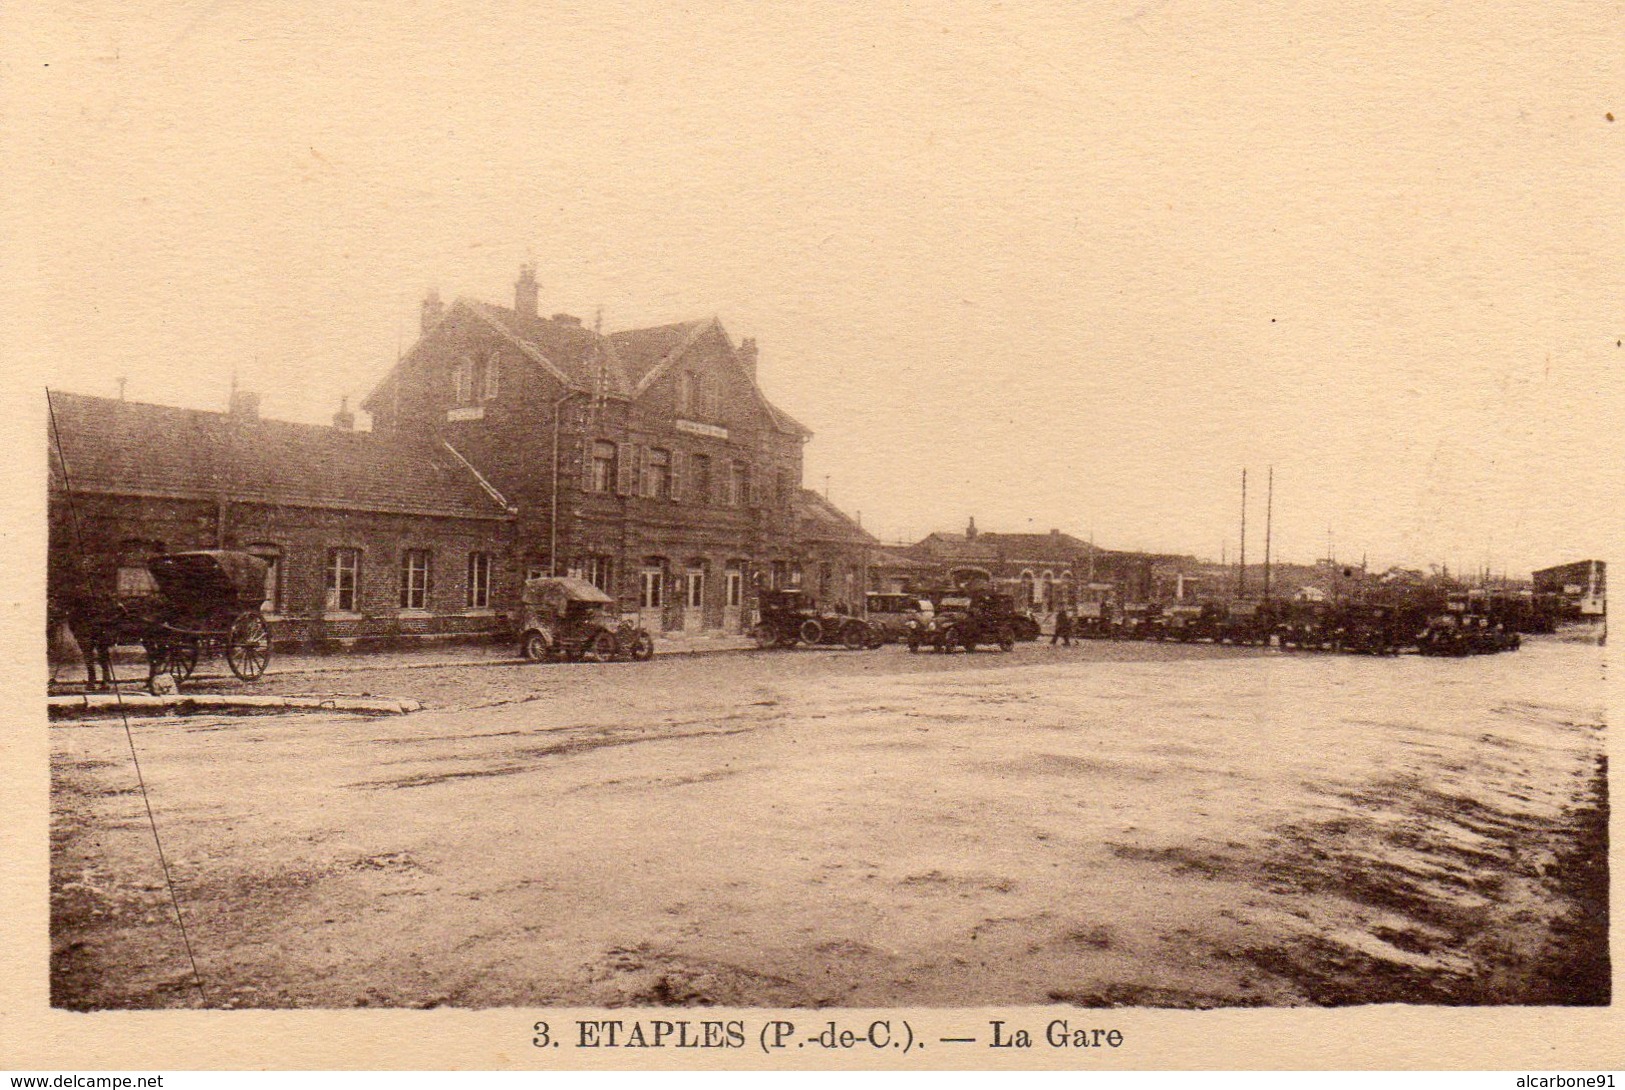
1459, 633
1372, 628
1134, 622
1092, 620
1024, 624
967, 620
788, 617
574, 621
1247, 621
1186, 621
891, 616
1304, 626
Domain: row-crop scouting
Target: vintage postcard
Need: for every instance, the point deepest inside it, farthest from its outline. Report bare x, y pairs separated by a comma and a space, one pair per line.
905, 536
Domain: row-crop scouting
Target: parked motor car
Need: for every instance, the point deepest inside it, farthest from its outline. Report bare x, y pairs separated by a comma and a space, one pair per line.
786, 618
968, 620
1185, 621
891, 616
1247, 621
572, 620
1304, 626
1092, 620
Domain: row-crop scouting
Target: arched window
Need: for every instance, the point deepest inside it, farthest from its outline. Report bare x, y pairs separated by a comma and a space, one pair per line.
1046, 590
1026, 588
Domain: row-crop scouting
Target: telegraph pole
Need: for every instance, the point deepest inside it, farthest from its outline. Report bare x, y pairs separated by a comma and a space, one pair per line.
1241, 580
1269, 510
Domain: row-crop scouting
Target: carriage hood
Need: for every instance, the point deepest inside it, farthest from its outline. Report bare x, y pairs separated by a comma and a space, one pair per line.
211, 577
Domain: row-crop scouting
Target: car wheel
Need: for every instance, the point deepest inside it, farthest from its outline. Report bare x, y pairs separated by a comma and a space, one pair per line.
642, 646
948, 640
1007, 640
913, 645
602, 647
855, 636
534, 647
810, 631
766, 636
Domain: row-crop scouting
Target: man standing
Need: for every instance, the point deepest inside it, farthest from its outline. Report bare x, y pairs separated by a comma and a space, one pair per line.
1063, 629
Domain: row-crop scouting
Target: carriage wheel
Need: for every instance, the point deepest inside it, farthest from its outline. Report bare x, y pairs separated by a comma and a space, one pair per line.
248, 646
643, 647
180, 659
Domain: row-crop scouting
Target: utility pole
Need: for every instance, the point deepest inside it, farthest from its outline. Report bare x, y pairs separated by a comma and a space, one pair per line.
1269, 511
1241, 580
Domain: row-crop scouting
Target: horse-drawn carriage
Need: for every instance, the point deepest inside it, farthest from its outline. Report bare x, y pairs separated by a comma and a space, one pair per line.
198, 603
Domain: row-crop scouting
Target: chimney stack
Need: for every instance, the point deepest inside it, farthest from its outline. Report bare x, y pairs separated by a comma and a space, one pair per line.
245, 405
433, 310
747, 355
525, 292
344, 418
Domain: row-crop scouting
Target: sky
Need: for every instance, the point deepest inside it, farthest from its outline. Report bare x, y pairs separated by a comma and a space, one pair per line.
1055, 266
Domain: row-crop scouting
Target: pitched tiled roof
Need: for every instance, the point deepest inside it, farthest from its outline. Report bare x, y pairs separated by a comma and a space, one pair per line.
619, 364
570, 351
157, 450
819, 520
644, 350
1035, 544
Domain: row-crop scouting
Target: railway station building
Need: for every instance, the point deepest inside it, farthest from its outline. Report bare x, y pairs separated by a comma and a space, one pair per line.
504, 445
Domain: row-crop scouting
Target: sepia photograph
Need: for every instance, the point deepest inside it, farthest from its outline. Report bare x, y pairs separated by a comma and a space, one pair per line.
694, 513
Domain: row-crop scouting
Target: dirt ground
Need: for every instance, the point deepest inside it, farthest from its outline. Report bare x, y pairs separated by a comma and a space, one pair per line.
1104, 826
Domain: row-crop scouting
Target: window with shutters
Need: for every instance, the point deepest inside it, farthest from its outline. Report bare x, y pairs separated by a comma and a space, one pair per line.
734, 586
657, 474
415, 579
695, 589
343, 580
699, 477
479, 580
603, 466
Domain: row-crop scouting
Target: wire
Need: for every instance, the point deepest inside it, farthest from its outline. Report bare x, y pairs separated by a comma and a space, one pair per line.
124, 714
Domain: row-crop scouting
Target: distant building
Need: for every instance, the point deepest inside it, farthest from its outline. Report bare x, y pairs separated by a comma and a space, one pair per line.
1045, 572
1583, 585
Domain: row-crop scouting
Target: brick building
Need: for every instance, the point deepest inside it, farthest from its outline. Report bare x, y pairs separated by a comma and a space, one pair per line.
647, 461
366, 536
1046, 571
503, 445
